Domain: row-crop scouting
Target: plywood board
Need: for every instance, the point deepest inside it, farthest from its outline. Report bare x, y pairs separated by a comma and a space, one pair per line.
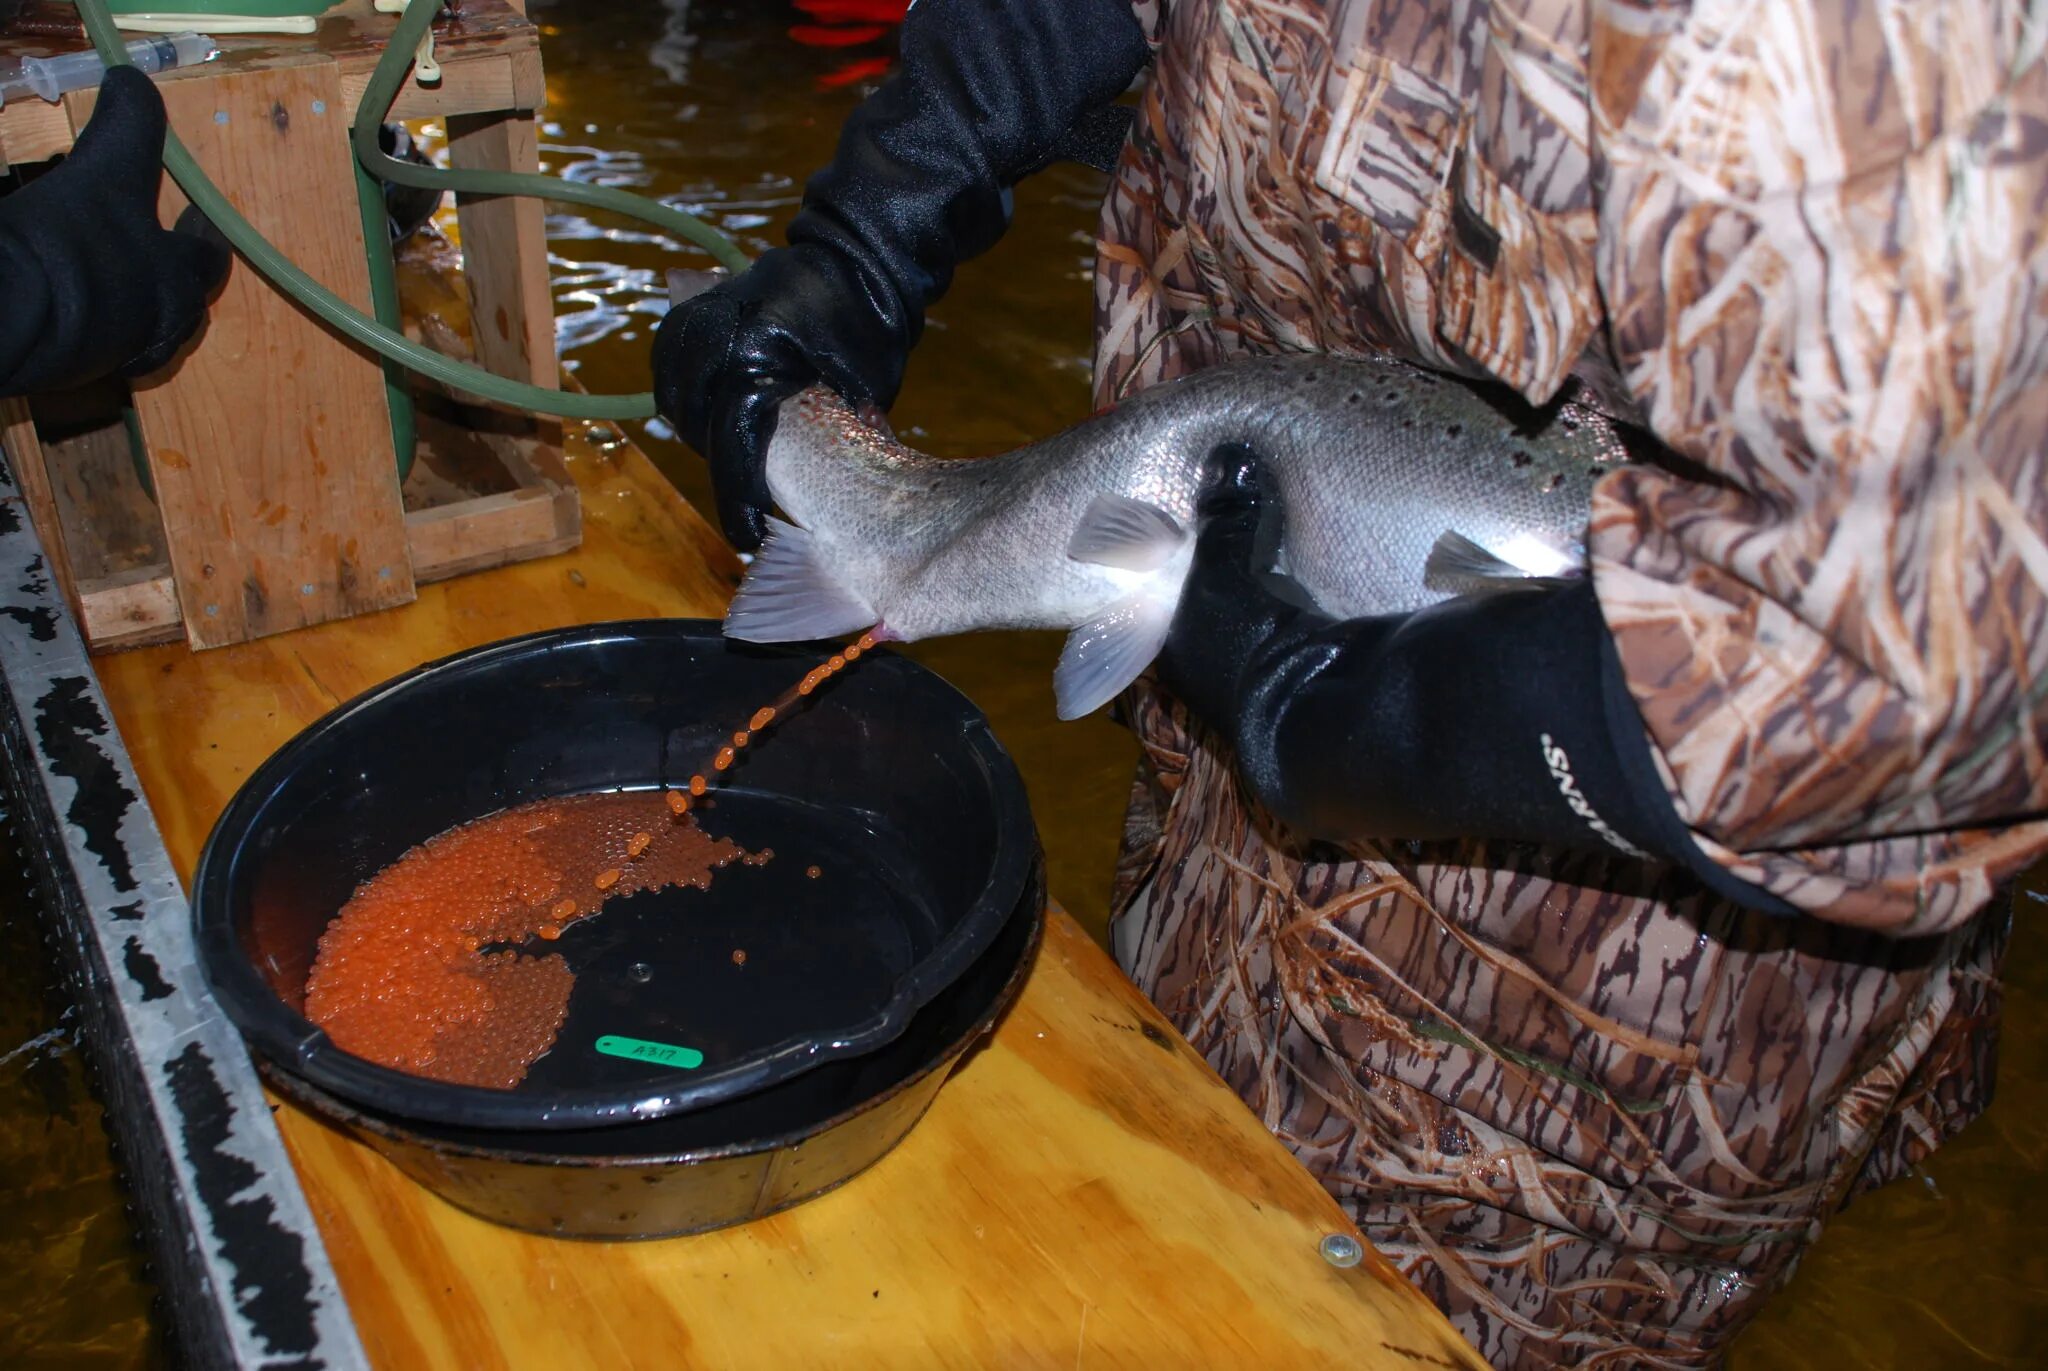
504, 250
269, 440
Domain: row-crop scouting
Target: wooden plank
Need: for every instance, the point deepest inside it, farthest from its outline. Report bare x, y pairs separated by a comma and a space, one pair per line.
504, 250
130, 609
475, 85
485, 532
269, 440
1083, 1189
538, 462
32, 131
489, 61
27, 463
111, 524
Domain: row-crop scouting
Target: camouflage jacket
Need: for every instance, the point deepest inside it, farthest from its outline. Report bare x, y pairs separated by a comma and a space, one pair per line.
1596, 1112
1805, 242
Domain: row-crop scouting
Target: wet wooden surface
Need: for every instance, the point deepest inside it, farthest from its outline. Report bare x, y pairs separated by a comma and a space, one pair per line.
1084, 1192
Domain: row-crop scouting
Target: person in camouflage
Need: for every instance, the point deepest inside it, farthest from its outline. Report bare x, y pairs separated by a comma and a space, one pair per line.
1594, 1087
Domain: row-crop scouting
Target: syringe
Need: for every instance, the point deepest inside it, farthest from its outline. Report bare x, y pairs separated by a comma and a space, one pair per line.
50, 77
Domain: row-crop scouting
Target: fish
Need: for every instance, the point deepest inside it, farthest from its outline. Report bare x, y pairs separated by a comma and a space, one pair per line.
1400, 486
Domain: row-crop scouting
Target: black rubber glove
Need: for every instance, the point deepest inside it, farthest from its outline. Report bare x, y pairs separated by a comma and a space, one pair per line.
988, 92
1499, 716
94, 284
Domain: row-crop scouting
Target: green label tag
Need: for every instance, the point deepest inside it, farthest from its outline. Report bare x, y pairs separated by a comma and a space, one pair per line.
640, 1050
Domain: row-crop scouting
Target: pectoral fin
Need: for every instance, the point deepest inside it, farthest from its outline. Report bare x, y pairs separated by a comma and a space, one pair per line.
1129, 534
790, 597
1108, 652
1459, 566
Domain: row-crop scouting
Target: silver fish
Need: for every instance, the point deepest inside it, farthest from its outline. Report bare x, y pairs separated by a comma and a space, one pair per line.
1400, 487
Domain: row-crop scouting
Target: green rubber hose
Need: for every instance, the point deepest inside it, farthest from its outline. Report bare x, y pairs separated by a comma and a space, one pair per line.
384, 302
389, 75
382, 92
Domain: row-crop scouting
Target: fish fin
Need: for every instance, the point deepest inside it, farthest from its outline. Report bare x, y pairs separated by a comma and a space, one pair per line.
1121, 532
1108, 652
1458, 565
790, 597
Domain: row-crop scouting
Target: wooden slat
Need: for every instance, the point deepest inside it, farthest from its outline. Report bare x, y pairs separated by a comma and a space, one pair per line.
269, 441
130, 609
1084, 1190
111, 524
486, 532
490, 61
537, 462
504, 250
25, 459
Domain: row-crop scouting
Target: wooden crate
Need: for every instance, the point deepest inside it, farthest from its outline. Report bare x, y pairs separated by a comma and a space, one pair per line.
271, 499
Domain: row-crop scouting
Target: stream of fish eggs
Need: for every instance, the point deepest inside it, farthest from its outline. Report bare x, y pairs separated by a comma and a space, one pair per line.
423, 970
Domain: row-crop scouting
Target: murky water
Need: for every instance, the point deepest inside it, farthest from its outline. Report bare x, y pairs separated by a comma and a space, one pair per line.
715, 106
72, 1292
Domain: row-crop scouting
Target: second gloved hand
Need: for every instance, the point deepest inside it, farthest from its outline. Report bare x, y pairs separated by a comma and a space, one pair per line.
726, 360
1498, 716
94, 284
988, 92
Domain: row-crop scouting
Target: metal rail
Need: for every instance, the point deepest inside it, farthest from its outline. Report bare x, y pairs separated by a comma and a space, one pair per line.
246, 1281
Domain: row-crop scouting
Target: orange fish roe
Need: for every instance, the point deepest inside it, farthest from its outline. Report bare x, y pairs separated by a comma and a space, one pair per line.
739, 956
813, 872
605, 880
767, 714
400, 978
638, 844
678, 803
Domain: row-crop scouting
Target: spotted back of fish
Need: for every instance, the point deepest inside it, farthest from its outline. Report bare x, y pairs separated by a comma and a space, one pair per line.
1377, 462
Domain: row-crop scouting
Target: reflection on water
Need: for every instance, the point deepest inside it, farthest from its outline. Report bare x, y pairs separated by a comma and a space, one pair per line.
71, 1287
715, 108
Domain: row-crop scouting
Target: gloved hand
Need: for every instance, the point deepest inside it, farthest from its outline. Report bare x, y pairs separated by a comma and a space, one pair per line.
1499, 716
988, 92
94, 284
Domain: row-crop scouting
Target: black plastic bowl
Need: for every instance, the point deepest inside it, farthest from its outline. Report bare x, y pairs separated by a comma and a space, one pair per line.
722, 1164
888, 780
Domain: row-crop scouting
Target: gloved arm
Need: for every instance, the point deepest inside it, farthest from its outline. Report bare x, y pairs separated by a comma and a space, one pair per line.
94, 284
988, 92
1492, 716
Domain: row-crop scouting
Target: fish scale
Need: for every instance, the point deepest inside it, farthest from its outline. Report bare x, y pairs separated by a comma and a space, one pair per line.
1400, 487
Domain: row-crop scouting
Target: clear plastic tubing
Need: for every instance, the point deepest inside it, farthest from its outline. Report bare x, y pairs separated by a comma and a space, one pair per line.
50, 77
